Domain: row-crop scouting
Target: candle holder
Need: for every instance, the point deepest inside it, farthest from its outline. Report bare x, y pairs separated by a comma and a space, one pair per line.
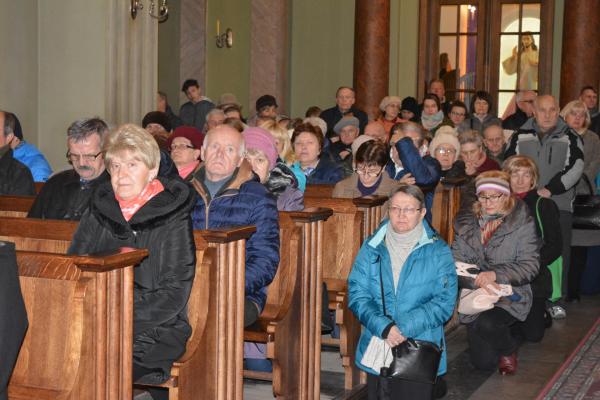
225, 39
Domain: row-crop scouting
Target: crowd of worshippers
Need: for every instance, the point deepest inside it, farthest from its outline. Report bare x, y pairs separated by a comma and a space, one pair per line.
150, 186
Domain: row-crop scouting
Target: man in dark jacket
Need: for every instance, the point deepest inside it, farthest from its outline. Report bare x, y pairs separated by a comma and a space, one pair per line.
558, 152
15, 177
344, 98
589, 96
409, 163
524, 111
231, 195
193, 113
67, 194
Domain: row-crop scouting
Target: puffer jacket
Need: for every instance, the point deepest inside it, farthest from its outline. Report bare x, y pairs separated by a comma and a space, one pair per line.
163, 281
243, 201
423, 301
558, 156
29, 155
512, 253
15, 177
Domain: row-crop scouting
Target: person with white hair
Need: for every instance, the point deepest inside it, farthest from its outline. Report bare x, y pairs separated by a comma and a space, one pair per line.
390, 112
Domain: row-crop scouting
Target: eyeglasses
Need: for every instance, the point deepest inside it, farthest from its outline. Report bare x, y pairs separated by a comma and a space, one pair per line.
456, 114
181, 147
409, 212
491, 198
526, 101
82, 157
442, 151
372, 174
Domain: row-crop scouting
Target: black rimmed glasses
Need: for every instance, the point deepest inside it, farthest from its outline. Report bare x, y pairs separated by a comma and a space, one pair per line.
82, 157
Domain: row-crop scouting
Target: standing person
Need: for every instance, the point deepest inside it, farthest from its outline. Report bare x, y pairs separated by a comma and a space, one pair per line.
345, 97
138, 209
436, 86
498, 236
523, 112
416, 269
482, 114
193, 113
589, 96
557, 150
523, 182
577, 117
15, 178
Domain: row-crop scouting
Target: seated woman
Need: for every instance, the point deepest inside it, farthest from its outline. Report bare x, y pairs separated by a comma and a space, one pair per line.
523, 183
312, 166
498, 236
185, 144
390, 110
282, 141
137, 209
482, 112
445, 148
432, 116
261, 153
369, 177
416, 269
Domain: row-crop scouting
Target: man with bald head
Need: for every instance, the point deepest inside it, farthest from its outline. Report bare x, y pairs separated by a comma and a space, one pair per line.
345, 97
558, 152
495, 145
377, 132
524, 111
15, 177
230, 194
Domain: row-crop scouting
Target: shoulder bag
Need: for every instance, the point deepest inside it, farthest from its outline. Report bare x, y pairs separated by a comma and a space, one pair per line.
586, 209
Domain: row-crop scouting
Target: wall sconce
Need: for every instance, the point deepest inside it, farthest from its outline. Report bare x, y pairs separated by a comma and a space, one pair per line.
163, 9
225, 39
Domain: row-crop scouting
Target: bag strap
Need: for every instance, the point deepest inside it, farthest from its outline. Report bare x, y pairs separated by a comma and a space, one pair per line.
537, 213
589, 184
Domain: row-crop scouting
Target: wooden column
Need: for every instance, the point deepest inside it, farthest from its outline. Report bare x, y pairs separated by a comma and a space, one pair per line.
580, 64
269, 52
371, 53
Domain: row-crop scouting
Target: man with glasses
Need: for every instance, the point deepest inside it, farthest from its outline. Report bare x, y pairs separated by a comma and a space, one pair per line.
67, 194
524, 111
410, 162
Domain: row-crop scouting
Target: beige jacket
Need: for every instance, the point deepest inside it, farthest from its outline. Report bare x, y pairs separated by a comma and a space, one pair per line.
348, 189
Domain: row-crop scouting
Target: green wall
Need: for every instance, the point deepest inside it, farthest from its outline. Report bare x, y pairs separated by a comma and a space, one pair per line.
228, 69
404, 46
169, 80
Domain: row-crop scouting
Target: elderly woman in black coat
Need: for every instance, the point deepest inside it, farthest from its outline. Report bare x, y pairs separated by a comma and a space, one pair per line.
137, 209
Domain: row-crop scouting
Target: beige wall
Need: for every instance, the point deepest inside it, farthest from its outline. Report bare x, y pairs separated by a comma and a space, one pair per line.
404, 46
19, 65
228, 69
72, 49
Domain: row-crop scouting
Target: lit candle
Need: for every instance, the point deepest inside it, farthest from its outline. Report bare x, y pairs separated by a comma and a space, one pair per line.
218, 27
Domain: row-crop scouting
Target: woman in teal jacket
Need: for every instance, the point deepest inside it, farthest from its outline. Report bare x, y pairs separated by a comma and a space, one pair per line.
419, 285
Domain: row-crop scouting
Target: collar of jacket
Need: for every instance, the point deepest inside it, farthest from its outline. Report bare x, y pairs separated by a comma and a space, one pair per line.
5, 150
241, 175
560, 129
469, 222
429, 236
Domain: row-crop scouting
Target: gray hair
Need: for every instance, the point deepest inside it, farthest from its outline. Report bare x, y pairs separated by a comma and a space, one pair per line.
470, 136
9, 123
84, 128
215, 111
242, 150
412, 191
410, 126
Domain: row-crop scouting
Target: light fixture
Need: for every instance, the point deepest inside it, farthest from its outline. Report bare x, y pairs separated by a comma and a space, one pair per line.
225, 39
163, 9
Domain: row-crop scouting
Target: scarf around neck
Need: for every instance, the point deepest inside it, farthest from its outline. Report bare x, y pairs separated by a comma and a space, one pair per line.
488, 224
431, 121
130, 207
399, 246
185, 171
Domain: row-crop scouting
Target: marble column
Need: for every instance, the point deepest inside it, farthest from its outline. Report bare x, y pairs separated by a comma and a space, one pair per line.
580, 64
269, 52
371, 53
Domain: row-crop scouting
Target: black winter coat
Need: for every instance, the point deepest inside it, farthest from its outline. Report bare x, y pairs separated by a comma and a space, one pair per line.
163, 281
15, 177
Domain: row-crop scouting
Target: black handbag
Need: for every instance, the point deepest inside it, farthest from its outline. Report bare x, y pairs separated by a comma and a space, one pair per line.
413, 360
586, 209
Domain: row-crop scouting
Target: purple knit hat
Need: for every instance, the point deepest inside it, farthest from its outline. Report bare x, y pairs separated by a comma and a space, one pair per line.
257, 138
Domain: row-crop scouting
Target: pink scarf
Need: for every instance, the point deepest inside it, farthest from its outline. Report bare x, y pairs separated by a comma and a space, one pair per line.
185, 171
130, 207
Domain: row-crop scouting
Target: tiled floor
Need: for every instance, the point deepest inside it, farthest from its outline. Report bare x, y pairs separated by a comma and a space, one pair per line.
537, 363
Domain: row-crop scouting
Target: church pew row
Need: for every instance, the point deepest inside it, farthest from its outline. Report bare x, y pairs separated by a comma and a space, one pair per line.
80, 310
212, 364
293, 305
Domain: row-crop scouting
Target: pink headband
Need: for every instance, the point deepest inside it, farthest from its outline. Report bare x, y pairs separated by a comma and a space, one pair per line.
492, 186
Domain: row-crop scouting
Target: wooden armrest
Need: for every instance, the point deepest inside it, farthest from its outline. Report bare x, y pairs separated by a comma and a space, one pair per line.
310, 214
369, 201
104, 262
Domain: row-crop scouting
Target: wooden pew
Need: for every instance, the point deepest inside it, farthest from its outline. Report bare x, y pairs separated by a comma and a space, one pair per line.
319, 190
446, 203
79, 341
213, 362
352, 221
15, 206
38, 186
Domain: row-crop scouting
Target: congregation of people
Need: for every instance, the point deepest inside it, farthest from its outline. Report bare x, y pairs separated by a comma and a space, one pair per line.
151, 183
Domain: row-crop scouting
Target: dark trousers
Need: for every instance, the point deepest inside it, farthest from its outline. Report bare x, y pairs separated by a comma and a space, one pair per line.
156, 393
400, 389
565, 219
533, 328
251, 313
578, 262
490, 337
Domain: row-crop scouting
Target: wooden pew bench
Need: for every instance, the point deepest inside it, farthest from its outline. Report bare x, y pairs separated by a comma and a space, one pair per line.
212, 365
79, 341
15, 206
